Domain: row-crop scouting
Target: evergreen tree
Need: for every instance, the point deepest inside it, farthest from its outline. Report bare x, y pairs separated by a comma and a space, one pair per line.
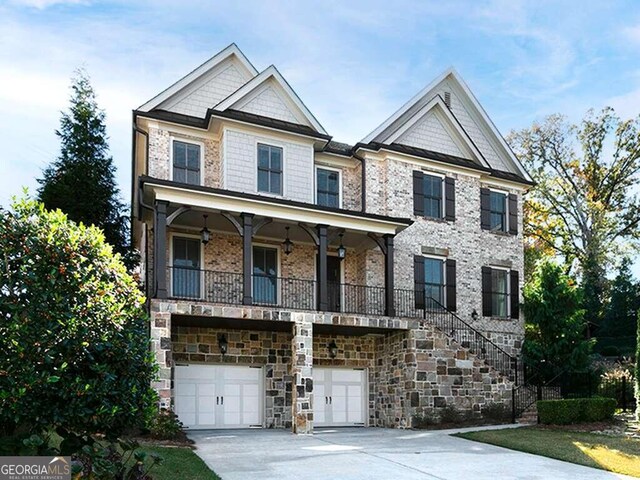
624, 302
554, 333
81, 182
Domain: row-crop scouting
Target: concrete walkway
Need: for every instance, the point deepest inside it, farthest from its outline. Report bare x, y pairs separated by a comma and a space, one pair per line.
372, 454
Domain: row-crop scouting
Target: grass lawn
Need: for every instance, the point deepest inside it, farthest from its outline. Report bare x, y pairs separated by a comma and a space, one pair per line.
179, 463
616, 454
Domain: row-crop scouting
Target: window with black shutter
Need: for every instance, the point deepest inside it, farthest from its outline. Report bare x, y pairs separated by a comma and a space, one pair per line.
500, 293
514, 278
433, 196
451, 296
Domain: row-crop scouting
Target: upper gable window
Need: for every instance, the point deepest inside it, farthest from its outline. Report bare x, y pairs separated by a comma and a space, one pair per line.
328, 187
269, 169
186, 162
433, 186
498, 218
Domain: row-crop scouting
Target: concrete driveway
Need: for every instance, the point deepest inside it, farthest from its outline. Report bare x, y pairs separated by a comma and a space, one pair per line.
372, 454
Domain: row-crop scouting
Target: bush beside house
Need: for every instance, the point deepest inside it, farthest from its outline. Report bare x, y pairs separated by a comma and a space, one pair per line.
576, 410
76, 359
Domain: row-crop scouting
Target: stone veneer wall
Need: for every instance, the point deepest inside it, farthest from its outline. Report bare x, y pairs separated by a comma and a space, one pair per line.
245, 347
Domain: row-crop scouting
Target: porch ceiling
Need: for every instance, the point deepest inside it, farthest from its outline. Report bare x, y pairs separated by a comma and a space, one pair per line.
231, 323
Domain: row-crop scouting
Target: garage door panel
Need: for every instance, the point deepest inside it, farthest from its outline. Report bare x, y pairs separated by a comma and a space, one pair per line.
346, 390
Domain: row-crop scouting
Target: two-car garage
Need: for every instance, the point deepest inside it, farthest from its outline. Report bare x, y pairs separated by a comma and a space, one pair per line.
232, 396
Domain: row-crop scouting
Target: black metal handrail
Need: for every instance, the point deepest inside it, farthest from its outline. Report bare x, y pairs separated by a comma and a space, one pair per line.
286, 292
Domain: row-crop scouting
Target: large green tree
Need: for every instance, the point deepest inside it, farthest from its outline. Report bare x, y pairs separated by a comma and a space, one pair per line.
554, 333
624, 303
73, 330
583, 207
81, 182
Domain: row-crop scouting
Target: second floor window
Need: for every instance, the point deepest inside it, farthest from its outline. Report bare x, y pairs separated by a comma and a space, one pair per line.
498, 211
434, 282
186, 162
327, 188
499, 292
269, 169
433, 196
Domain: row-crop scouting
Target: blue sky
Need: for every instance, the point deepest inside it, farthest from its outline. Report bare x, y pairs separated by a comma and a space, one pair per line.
352, 63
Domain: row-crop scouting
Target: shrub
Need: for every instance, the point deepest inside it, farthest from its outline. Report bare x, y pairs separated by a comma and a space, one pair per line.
496, 412
451, 414
74, 342
113, 460
423, 421
610, 351
576, 410
164, 425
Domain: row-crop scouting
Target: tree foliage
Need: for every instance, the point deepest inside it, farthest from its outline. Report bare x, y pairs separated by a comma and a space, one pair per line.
81, 182
638, 370
583, 208
73, 335
554, 333
624, 303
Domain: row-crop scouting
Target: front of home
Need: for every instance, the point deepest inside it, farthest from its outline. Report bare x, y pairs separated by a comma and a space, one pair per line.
295, 281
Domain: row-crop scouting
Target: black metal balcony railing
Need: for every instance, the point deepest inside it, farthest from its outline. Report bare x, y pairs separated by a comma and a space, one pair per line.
284, 292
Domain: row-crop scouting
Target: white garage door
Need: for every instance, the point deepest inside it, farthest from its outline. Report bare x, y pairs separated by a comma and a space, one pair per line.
339, 397
218, 396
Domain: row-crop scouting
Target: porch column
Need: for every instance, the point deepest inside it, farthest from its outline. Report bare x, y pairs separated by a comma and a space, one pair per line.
247, 258
301, 372
160, 249
390, 309
323, 288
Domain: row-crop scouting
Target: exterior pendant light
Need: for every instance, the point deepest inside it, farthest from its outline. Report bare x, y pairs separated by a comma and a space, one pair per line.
222, 343
287, 244
205, 234
333, 349
342, 252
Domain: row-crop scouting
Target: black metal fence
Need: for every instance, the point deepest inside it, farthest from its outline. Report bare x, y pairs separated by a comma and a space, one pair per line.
285, 292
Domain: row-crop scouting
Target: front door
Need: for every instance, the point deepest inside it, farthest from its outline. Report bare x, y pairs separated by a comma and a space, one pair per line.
334, 278
186, 267
265, 275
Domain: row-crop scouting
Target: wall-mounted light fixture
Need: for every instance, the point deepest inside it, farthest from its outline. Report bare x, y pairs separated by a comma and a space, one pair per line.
205, 234
333, 349
474, 315
287, 245
222, 343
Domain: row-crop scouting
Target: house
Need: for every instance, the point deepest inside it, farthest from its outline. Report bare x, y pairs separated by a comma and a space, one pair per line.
295, 281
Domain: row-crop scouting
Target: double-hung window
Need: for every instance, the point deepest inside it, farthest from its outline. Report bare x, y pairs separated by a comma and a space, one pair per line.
328, 187
433, 188
500, 292
269, 169
186, 162
434, 282
498, 211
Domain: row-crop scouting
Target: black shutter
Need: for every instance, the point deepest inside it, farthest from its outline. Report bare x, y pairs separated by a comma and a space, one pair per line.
514, 277
486, 292
418, 281
451, 284
418, 193
450, 198
485, 209
513, 214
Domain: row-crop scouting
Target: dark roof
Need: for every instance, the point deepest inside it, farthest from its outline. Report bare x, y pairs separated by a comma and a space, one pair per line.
280, 201
199, 122
338, 148
444, 158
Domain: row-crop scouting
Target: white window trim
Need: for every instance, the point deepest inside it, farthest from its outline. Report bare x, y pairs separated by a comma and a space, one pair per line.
270, 143
444, 275
506, 209
508, 271
172, 235
278, 267
315, 183
172, 139
442, 186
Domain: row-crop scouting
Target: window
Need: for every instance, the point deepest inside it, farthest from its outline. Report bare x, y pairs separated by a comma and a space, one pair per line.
499, 292
186, 267
498, 211
269, 169
186, 162
265, 275
434, 282
433, 196
328, 188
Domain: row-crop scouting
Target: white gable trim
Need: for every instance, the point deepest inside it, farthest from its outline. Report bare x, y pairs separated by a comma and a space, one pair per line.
213, 62
253, 87
427, 92
463, 140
